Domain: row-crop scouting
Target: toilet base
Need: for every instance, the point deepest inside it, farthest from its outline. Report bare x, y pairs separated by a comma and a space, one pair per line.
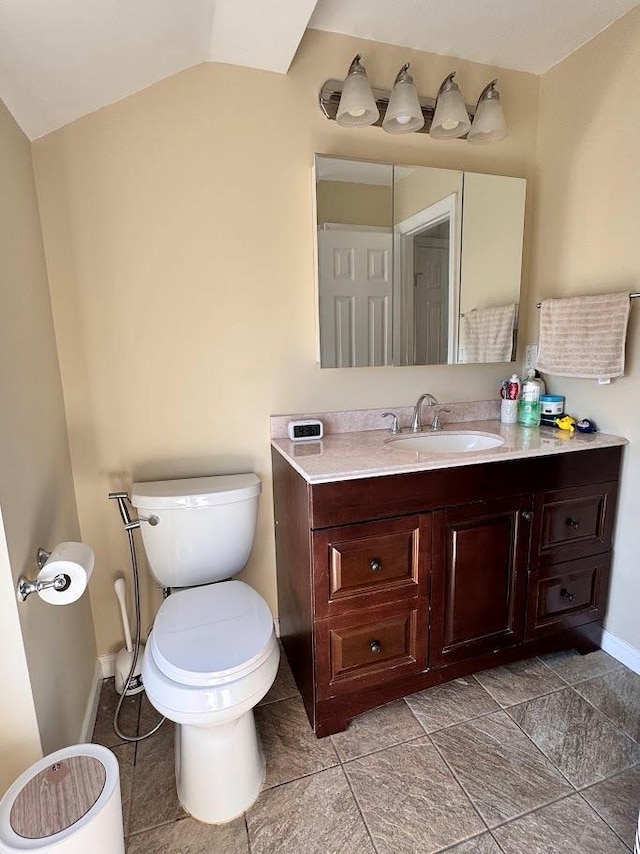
219, 769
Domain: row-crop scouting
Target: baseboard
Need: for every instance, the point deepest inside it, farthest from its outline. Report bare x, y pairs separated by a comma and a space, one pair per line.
621, 650
108, 665
93, 701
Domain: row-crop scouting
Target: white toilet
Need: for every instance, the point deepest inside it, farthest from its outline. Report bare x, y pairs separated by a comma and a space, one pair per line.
213, 652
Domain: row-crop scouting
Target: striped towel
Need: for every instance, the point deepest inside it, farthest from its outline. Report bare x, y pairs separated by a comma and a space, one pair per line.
584, 336
488, 333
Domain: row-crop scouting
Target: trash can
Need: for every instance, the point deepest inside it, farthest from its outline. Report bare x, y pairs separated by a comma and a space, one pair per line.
67, 803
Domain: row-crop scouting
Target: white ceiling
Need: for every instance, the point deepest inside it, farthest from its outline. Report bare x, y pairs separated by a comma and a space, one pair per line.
62, 59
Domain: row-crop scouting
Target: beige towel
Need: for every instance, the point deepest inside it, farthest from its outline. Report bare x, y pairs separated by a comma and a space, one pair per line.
488, 333
584, 336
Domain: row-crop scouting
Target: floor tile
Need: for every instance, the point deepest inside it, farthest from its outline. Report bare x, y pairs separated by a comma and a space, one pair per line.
484, 844
617, 801
155, 800
314, 815
579, 740
450, 703
126, 755
574, 668
568, 826
520, 681
375, 730
503, 773
193, 837
410, 800
149, 717
103, 732
290, 747
284, 686
616, 695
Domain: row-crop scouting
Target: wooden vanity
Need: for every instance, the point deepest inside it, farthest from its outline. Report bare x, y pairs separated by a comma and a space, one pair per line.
390, 584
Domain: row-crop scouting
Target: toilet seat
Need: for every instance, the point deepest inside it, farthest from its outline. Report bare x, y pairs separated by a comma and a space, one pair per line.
213, 635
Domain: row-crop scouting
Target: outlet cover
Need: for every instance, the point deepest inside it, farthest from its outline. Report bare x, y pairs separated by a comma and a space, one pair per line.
530, 357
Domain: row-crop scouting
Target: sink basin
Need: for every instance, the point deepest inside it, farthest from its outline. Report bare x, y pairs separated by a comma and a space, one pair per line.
447, 442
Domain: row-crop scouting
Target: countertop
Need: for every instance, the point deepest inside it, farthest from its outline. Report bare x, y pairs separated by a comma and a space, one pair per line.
352, 455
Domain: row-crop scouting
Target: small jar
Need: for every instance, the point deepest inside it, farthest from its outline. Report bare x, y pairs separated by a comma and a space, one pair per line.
552, 404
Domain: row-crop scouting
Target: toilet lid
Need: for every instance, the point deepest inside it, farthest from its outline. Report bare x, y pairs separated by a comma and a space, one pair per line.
212, 634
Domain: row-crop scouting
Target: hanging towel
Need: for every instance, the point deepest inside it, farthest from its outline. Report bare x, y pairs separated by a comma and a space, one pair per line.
488, 333
584, 336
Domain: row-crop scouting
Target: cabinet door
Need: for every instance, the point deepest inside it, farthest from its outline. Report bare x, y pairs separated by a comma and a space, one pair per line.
479, 578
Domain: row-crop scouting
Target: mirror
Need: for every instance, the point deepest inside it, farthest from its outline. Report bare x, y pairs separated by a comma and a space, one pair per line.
416, 266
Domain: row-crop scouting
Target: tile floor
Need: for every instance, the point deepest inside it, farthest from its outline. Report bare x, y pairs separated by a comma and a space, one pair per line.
541, 757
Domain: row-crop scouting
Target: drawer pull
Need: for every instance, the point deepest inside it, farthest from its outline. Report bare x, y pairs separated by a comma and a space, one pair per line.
375, 564
572, 523
527, 515
375, 646
564, 594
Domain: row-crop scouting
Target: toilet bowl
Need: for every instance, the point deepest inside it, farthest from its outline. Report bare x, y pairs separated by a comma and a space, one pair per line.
211, 657
213, 653
66, 803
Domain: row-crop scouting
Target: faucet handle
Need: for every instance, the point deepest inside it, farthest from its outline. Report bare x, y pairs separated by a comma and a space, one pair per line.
435, 424
395, 424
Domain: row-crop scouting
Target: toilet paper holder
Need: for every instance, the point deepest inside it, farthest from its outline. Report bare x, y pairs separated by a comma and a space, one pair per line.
26, 587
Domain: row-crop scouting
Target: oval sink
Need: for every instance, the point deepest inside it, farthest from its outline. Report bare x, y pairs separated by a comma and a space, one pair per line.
448, 442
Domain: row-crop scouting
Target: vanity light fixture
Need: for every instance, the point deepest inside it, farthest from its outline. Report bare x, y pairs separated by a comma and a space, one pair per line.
404, 113
357, 107
354, 103
451, 119
489, 124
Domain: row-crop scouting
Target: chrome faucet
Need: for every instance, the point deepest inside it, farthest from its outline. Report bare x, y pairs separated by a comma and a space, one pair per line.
416, 423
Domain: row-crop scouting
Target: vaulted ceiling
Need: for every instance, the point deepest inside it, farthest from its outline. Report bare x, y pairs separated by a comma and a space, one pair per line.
62, 59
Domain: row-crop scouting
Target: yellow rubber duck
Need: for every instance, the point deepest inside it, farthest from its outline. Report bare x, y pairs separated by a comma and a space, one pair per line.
566, 423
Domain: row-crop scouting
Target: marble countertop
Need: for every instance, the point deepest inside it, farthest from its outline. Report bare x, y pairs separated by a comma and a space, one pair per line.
352, 455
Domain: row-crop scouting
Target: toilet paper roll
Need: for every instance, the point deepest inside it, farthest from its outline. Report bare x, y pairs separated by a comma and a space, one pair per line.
73, 560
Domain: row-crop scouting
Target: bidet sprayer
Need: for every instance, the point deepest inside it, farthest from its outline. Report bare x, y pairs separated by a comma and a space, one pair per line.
130, 524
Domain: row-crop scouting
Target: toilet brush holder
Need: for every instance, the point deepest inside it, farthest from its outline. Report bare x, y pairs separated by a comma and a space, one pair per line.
124, 660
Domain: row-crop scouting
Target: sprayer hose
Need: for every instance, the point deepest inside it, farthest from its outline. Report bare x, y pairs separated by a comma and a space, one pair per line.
136, 651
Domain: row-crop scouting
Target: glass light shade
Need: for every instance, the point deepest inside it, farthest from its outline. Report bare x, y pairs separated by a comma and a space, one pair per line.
489, 124
404, 113
357, 107
450, 119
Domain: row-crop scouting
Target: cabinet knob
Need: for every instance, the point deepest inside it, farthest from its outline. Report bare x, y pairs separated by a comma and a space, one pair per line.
564, 594
572, 523
375, 646
527, 515
375, 564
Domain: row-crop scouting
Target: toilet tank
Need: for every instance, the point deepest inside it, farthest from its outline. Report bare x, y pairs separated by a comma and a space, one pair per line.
205, 526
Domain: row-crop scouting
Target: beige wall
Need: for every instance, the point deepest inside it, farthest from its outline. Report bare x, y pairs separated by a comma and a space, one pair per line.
354, 204
179, 242
422, 188
587, 219
36, 487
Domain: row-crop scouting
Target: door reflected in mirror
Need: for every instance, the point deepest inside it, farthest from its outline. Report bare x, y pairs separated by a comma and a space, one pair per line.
416, 266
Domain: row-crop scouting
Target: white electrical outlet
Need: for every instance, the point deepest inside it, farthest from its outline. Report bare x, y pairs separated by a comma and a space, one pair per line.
530, 357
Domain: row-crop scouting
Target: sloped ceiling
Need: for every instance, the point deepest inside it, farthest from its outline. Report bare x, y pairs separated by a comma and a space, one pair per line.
62, 59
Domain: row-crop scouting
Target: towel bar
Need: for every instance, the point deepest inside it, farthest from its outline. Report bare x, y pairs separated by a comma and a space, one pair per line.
631, 296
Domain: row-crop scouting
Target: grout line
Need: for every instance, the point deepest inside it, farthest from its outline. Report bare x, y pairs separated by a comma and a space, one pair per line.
455, 777
351, 759
604, 714
603, 819
246, 828
358, 807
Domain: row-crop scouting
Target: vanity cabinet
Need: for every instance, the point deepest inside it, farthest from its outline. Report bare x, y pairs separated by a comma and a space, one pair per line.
388, 585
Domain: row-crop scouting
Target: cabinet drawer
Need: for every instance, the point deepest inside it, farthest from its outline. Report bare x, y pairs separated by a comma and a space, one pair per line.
567, 595
380, 646
371, 563
572, 523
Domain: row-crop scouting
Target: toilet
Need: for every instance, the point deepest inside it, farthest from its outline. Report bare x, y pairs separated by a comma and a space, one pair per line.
213, 653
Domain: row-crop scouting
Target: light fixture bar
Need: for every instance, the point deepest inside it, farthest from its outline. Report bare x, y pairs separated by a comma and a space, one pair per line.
330, 93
